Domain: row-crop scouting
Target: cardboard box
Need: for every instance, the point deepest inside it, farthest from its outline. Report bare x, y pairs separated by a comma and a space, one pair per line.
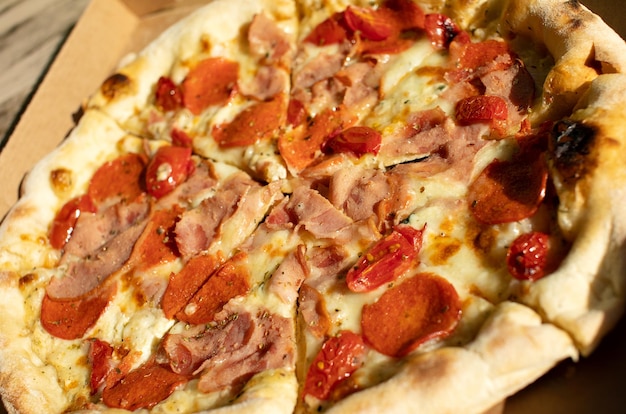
109, 29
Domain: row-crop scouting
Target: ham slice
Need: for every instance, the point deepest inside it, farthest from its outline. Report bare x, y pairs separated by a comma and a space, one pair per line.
267, 41
307, 209
289, 275
198, 227
229, 352
94, 230
82, 276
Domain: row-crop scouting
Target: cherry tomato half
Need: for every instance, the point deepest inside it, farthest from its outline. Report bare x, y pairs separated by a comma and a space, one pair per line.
169, 167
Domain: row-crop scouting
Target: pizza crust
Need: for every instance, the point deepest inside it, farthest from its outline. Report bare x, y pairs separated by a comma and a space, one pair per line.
205, 32
586, 295
86, 148
512, 349
26, 383
581, 44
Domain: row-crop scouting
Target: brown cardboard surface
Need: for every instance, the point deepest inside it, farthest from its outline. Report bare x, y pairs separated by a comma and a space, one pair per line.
109, 29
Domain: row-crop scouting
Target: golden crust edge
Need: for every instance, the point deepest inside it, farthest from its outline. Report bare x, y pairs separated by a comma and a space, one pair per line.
587, 84
474, 378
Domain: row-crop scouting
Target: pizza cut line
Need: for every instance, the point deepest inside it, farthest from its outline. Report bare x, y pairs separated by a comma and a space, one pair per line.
329, 206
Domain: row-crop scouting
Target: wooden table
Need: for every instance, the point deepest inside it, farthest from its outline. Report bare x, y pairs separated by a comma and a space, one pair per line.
31, 32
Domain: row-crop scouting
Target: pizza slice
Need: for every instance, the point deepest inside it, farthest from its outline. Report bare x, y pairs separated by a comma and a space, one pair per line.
142, 285
218, 81
325, 206
460, 126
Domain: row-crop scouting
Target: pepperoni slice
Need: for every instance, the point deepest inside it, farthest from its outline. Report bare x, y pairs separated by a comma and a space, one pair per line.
358, 140
211, 82
184, 284
408, 14
156, 245
258, 122
386, 260
143, 388
527, 257
100, 353
302, 147
70, 319
476, 55
372, 24
508, 191
339, 357
168, 96
231, 280
118, 179
420, 309
390, 29
65, 220
169, 167
328, 32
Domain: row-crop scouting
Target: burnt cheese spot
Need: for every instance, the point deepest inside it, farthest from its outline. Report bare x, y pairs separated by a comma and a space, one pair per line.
571, 144
115, 85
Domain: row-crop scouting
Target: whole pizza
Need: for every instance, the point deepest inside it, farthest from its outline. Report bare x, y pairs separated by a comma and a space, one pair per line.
296, 206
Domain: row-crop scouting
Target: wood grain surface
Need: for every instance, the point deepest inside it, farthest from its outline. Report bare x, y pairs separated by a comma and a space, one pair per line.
31, 32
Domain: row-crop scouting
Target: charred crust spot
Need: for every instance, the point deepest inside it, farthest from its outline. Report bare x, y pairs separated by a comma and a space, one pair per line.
576, 24
114, 84
61, 180
574, 4
571, 144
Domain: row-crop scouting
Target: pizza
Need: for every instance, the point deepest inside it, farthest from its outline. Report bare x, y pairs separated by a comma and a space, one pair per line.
325, 206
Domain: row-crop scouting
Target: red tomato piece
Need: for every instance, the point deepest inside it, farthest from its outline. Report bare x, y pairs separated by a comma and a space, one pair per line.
481, 108
330, 31
100, 353
422, 308
339, 357
211, 82
373, 24
440, 29
168, 95
65, 220
169, 167
359, 140
386, 260
527, 257
508, 191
